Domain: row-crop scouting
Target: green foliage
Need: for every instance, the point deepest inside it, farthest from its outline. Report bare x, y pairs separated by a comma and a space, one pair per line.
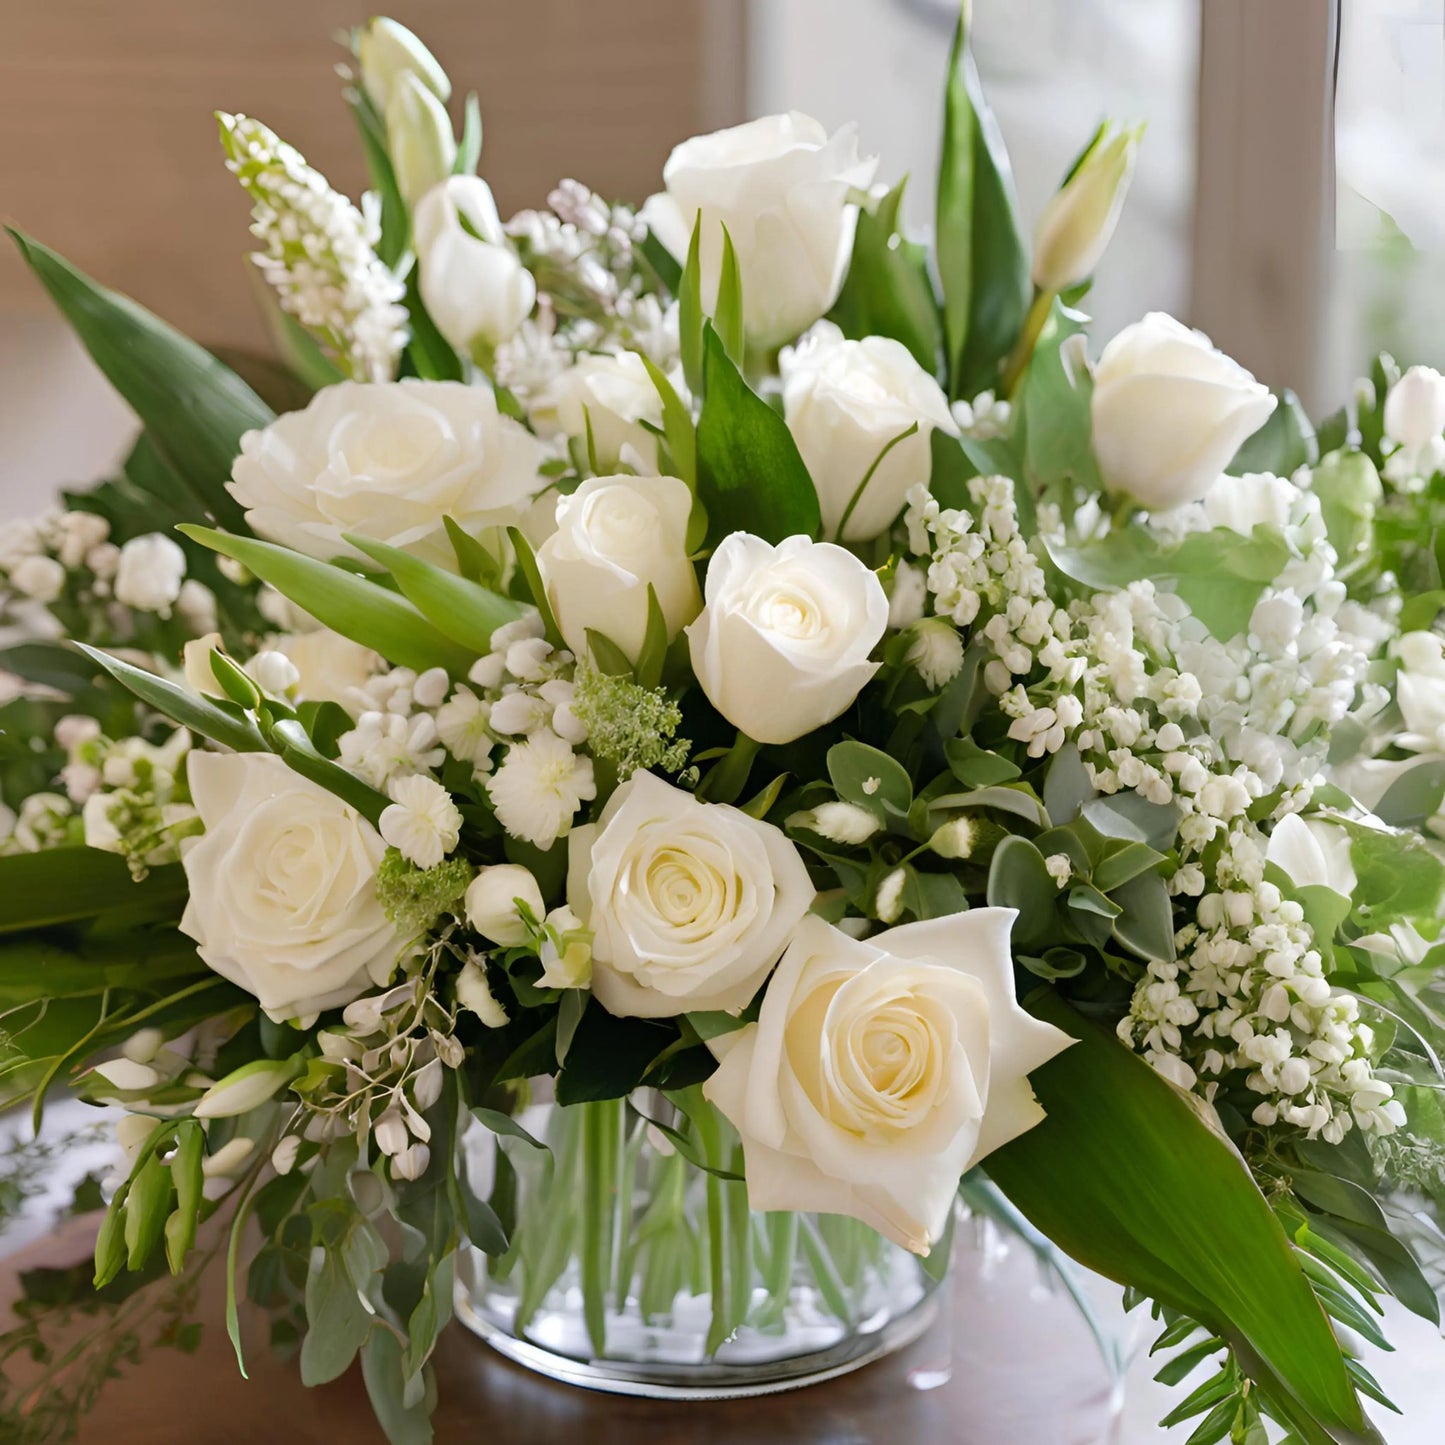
631, 726
981, 258
415, 898
1283, 444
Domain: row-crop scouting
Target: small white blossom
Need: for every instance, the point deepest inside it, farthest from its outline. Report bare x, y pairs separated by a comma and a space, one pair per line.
421, 823
539, 787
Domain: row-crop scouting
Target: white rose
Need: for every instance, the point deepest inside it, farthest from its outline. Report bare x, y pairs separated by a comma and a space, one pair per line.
1314, 853
780, 185
1169, 412
783, 641
1077, 223
690, 903
491, 903
615, 537
1420, 690
474, 286
879, 1071
614, 393
149, 575
329, 667
283, 887
42, 579
845, 401
387, 460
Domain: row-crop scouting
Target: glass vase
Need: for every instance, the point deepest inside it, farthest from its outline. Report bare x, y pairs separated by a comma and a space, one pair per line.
635, 1265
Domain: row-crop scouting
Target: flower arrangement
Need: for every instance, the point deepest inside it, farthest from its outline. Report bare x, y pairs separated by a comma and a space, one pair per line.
723, 651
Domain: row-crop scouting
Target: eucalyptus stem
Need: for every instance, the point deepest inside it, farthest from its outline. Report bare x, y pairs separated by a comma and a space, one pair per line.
1023, 351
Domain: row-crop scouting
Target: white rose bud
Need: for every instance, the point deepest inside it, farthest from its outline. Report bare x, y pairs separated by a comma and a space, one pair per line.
149, 575
387, 460
491, 903
783, 641
419, 137
283, 886
1079, 220
1170, 412
1415, 407
615, 538
613, 394
781, 186
387, 51
274, 673
845, 402
813, 1087
42, 579
689, 903
472, 281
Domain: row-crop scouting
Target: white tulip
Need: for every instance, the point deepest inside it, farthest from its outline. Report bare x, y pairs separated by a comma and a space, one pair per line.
1170, 412
879, 1071
615, 538
783, 641
150, 573
1314, 853
386, 51
781, 186
613, 395
283, 886
1415, 407
419, 138
690, 903
1079, 219
845, 402
1420, 690
492, 899
472, 281
387, 460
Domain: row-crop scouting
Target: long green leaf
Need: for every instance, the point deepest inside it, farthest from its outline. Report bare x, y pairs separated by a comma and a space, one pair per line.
193, 406
689, 313
462, 610
751, 477
981, 257
181, 705
62, 885
346, 603
1125, 1175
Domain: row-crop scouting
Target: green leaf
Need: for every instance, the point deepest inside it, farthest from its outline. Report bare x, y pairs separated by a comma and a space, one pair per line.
536, 588
975, 767
405, 1421
299, 753
1146, 923
469, 147
147, 1205
689, 313
63, 885
609, 658
431, 355
981, 258
461, 610
664, 264
1122, 1173
1285, 442
1415, 796
500, 1123
887, 291
194, 408
677, 428
870, 779
1122, 863
1018, 878
344, 602
1066, 786
751, 477
1349, 490
652, 656
609, 1055
1054, 410
395, 225
474, 562
337, 1320
190, 709
728, 314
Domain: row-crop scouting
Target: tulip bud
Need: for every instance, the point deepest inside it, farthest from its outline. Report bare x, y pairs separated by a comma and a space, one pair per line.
419, 138
246, 1088
491, 903
1415, 407
474, 286
1079, 219
387, 51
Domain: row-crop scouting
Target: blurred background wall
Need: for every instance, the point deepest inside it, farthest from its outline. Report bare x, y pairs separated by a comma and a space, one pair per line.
1288, 199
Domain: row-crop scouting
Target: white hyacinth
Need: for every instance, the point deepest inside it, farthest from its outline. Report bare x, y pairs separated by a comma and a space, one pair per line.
318, 252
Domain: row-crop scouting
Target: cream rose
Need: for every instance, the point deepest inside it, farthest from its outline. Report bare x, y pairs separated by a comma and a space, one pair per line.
1169, 412
475, 287
614, 394
283, 887
780, 185
782, 645
690, 903
387, 460
879, 1071
615, 537
844, 402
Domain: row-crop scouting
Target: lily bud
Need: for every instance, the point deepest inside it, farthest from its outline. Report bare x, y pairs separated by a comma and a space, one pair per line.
246, 1088
387, 51
1079, 219
419, 138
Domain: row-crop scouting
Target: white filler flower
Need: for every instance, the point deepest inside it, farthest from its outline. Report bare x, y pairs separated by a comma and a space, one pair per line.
539, 788
879, 1071
421, 823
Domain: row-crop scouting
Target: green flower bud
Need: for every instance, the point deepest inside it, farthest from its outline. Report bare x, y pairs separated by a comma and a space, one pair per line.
388, 51
419, 137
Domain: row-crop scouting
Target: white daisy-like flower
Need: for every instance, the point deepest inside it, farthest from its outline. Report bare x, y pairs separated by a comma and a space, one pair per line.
422, 823
461, 724
383, 746
539, 788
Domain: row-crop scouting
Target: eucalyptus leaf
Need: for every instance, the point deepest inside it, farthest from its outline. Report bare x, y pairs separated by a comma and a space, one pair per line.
870, 779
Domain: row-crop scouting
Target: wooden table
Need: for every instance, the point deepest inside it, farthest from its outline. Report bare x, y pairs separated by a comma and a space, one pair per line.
201, 1399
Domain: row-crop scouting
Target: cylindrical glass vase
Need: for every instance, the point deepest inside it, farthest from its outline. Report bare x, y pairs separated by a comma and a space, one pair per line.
636, 1266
